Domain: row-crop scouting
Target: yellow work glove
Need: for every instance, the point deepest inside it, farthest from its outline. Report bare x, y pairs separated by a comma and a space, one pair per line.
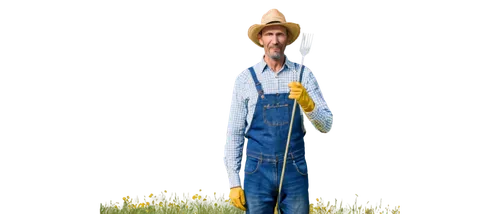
237, 196
299, 93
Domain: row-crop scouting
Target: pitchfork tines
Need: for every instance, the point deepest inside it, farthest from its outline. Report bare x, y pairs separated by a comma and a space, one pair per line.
305, 46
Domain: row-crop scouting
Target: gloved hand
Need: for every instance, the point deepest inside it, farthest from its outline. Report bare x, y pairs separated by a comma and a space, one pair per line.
298, 92
237, 196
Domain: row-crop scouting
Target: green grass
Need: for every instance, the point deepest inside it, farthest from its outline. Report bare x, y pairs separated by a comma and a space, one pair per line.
160, 204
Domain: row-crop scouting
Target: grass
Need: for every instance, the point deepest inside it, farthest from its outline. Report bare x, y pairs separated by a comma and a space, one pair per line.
159, 204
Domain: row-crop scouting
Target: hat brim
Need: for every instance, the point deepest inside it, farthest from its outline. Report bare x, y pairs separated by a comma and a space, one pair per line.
293, 31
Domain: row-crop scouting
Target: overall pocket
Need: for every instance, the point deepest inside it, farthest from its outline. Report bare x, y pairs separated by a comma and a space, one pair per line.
252, 165
300, 165
276, 115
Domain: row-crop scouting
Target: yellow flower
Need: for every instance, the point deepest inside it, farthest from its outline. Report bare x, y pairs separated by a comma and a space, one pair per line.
150, 194
128, 197
215, 204
124, 198
317, 199
147, 203
200, 189
195, 196
166, 190
161, 204
227, 200
204, 199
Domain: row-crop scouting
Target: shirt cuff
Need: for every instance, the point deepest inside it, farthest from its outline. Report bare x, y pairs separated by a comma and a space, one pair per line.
234, 181
314, 114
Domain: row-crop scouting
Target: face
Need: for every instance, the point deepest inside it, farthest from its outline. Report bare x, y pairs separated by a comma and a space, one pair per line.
274, 40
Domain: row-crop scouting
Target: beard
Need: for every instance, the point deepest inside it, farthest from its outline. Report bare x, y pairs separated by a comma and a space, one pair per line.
275, 55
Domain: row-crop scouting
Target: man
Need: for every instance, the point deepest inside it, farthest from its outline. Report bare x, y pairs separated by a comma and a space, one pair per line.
261, 110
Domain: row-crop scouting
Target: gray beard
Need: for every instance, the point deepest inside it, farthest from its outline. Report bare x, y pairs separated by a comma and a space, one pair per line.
275, 56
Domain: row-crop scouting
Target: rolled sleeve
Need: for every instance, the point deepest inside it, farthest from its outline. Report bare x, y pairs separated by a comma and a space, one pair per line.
235, 134
320, 116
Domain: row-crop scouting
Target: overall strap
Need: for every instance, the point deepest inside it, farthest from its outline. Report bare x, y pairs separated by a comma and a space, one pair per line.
257, 83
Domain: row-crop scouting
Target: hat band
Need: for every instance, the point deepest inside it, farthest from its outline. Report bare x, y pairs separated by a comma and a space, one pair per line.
273, 22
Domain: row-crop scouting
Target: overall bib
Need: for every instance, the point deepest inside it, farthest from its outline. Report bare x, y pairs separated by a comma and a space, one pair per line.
266, 147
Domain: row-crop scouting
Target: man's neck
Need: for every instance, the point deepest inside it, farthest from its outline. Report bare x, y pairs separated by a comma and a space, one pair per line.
275, 65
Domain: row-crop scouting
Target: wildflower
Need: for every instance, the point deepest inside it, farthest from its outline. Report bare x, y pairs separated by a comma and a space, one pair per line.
116, 206
161, 204
215, 204
204, 199
128, 197
317, 199
200, 190
150, 194
124, 198
194, 197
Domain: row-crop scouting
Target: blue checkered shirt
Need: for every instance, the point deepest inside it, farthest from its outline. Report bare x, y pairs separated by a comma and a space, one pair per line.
243, 103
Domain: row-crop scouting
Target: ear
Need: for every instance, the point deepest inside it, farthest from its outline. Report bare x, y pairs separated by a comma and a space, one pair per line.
259, 36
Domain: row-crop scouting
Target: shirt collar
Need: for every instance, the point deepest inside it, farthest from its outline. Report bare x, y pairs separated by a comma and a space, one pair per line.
262, 65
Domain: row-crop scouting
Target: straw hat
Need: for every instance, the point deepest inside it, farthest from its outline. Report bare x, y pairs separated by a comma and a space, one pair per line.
274, 17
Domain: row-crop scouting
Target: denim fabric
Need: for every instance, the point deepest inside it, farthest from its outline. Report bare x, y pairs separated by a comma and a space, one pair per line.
261, 183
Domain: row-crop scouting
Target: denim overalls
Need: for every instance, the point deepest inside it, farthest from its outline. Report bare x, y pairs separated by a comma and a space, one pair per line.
266, 146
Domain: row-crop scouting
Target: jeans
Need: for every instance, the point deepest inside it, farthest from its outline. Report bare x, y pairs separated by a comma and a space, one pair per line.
262, 180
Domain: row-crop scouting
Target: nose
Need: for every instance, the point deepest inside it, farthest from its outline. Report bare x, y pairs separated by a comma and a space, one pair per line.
275, 39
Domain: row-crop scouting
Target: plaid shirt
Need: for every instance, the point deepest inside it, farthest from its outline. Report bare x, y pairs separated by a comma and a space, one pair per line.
243, 103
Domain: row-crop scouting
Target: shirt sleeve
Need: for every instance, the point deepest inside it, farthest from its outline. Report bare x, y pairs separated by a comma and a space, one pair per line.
235, 134
320, 116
